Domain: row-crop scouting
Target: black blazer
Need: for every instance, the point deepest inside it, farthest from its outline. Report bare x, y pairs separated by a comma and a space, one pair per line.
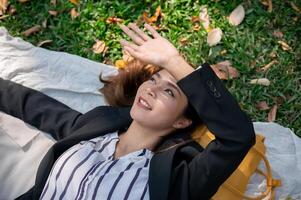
184, 172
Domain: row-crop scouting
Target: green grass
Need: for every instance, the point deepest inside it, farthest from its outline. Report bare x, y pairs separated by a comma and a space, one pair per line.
248, 45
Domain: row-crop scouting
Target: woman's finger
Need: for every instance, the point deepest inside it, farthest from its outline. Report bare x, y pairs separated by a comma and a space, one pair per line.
131, 34
152, 30
128, 44
133, 52
135, 28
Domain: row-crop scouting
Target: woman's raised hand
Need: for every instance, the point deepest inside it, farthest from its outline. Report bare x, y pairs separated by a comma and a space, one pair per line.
157, 50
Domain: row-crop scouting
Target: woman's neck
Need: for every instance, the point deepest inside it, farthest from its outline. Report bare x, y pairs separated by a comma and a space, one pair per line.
138, 137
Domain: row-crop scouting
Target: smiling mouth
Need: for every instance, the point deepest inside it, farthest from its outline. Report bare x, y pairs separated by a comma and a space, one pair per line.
142, 103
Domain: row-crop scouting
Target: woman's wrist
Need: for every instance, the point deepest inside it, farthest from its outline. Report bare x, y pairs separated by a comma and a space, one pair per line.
178, 67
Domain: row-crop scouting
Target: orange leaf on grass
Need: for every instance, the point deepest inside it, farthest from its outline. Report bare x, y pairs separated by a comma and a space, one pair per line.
267, 66
224, 70
120, 64
153, 18
195, 22
74, 14
183, 41
114, 20
272, 113
284, 45
195, 19
75, 2
32, 30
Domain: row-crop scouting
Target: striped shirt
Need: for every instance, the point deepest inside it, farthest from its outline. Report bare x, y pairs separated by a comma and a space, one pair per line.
88, 170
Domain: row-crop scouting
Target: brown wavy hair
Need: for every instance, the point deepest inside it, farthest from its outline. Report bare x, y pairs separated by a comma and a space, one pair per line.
120, 90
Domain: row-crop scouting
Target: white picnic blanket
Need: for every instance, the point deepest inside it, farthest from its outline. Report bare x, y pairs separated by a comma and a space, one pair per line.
73, 80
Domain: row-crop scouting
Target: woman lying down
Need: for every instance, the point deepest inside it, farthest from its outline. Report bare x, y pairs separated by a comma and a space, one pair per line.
140, 146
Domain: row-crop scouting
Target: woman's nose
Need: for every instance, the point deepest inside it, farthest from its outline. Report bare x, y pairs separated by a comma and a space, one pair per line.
151, 91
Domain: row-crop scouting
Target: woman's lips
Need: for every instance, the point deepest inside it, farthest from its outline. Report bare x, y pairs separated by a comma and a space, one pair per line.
143, 104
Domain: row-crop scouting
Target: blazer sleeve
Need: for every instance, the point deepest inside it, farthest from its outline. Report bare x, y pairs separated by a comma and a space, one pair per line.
40, 110
232, 128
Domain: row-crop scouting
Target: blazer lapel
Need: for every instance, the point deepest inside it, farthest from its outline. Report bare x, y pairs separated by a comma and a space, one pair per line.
111, 119
159, 174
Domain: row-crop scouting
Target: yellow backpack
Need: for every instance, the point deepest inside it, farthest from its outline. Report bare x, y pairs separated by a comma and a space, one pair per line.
235, 186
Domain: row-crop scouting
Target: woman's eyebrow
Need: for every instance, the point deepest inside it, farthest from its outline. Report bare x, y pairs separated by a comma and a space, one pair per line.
169, 84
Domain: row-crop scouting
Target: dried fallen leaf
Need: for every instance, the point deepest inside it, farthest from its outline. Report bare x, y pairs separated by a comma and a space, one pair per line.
205, 19
120, 64
44, 23
196, 27
99, 47
12, 10
214, 36
224, 70
279, 100
74, 14
295, 18
52, 12
75, 2
267, 66
272, 113
270, 6
3, 6
284, 45
153, 18
112, 20
268, 3
53, 2
296, 8
23, 1
278, 33
195, 19
32, 30
262, 105
261, 81
44, 42
223, 52
273, 54
183, 41
237, 15
253, 64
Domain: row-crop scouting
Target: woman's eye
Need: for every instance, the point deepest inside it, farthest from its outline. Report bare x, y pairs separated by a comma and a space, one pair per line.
152, 79
170, 92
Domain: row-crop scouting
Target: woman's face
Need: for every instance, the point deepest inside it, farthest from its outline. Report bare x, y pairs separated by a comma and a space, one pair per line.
159, 103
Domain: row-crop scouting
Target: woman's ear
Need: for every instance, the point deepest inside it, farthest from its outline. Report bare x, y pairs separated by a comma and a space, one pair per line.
182, 122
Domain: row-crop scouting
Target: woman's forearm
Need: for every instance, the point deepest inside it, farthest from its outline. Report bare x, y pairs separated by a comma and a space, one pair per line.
178, 67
